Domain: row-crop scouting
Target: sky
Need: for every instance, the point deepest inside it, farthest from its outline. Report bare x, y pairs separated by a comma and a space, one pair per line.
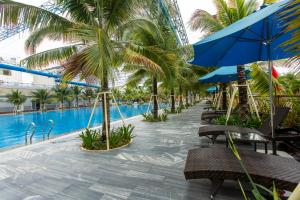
14, 46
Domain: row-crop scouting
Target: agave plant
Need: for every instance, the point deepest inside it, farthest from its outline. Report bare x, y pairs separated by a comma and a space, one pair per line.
92, 31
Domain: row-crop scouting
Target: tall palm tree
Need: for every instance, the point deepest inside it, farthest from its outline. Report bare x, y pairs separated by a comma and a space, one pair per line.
88, 94
76, 93
16, 98
93, 31
61, 94
153, 48
42, 96
228, 12
157, 42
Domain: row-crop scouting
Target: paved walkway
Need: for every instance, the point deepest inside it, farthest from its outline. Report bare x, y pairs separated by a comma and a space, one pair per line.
150, 168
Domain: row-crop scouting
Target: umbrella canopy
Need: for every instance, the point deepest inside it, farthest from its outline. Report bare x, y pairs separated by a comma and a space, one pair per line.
257, 37
223, 75
212, 89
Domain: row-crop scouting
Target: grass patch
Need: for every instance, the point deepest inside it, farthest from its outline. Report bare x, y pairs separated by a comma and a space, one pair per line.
91, 139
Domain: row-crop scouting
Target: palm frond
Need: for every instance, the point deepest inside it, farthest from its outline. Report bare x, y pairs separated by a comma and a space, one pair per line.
203, 21
51, 32
136, 78
142, 61
12, 13
260, 80
51, 56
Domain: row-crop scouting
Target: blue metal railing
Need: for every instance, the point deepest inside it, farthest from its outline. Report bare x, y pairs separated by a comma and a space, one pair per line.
9, 31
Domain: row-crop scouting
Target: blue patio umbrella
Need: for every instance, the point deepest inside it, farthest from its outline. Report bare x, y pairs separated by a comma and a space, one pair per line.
212, 89
223, 75
258, 37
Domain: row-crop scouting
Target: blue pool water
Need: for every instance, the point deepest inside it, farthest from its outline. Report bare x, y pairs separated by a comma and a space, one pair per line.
13, 127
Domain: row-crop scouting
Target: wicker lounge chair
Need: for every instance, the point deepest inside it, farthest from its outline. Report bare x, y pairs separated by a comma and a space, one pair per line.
213, 131
220, 164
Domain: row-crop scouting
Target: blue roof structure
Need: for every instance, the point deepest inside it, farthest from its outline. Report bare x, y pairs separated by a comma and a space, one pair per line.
57, 77
223, 75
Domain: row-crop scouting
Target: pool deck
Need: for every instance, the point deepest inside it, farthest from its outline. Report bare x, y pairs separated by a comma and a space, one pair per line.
149, 168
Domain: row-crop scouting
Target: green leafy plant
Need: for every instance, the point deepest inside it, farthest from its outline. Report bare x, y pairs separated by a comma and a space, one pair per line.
251, 121
121, 136
163, 117
256, 188
16, 98
149, 117
92, 140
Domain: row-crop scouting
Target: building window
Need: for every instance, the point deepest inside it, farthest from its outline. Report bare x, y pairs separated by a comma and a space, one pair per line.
5, 72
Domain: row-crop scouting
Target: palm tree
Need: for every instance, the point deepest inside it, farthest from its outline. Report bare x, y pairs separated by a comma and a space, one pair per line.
157, 42
16, 98
61, 94
227, 13
93, 30
88, 94
42, 96
76, 93
117, 94
292, 44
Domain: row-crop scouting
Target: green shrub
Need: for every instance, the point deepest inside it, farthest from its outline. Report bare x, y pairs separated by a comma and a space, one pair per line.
121, 136
163, 117
149, 117
251, 121
92, 140
293, 119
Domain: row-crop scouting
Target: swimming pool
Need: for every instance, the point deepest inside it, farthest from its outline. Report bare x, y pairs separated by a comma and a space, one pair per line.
13, 127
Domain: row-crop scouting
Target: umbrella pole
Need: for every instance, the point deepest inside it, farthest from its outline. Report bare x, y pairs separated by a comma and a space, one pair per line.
271, 107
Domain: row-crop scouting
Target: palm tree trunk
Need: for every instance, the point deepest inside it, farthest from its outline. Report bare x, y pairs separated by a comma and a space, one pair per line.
155, 93
62, 104
224, 91
243, 93
104, 86
187, 98
173, 100
180, 98
77, 102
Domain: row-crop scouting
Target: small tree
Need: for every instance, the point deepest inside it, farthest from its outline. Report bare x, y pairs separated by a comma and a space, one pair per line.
61, 94
16, 98
88, 94
41, 96
76, 94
